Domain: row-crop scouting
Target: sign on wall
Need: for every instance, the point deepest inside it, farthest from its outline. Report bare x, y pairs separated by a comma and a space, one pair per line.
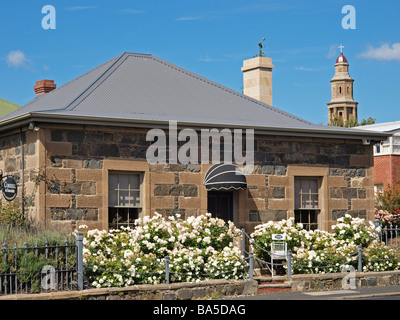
9, 189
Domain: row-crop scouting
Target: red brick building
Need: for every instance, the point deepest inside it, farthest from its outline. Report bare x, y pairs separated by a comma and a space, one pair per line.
387, 155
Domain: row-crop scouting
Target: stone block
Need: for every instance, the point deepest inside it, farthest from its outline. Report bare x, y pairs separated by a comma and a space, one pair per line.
59, 174
184, 294
278, 181
169, 296
70, 187
93, 164
255, 180
63, 201
162, 202
163, 177
88, 188
278, 192
59, 148
190, 190
337, 182
278, 204
89, 174
10, 165
189, 203
362, 204
75, 135
89, 201
190, 178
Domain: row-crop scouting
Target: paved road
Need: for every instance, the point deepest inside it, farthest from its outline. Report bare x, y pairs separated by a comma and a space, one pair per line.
369, 293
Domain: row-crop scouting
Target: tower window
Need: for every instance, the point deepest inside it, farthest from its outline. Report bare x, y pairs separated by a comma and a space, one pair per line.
340, 89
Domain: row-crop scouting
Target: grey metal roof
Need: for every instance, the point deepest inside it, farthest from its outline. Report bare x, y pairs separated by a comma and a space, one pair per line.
393, 126
142, 87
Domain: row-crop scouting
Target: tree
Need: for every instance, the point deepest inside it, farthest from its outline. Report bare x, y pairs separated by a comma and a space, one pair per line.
338, 121
389, 199
365, 122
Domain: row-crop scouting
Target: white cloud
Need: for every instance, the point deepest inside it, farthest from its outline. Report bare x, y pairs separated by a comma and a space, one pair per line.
17, 59
332, 51
77, 8
384, 52
190, 18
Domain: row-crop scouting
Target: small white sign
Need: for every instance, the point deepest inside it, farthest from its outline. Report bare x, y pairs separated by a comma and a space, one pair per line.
281, 237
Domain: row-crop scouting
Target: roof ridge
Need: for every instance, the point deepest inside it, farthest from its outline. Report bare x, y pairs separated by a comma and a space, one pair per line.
71, 81
219, 86
107, 73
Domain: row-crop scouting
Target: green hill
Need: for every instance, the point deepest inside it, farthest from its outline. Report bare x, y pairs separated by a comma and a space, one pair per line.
7, 107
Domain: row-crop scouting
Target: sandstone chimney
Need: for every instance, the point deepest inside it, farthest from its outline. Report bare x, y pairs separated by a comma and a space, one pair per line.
44, 86
257, 79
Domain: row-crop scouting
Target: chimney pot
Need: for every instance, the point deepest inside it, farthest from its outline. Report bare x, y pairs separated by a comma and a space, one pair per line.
44, 86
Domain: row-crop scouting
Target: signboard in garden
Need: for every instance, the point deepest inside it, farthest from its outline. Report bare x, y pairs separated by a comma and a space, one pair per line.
9, 189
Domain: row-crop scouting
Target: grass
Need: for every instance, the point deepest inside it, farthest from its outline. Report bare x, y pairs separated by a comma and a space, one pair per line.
32, 235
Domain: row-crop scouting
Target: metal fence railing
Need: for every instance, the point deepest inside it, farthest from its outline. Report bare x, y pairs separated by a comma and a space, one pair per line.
39, 268
388, 233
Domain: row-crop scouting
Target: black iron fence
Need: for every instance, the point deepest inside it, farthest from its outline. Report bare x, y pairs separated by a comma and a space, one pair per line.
40, 268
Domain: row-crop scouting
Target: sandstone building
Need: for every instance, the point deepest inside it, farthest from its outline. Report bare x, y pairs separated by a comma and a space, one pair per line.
78, 152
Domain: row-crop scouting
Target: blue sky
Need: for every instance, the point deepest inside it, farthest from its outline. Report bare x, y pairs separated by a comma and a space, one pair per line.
212, 38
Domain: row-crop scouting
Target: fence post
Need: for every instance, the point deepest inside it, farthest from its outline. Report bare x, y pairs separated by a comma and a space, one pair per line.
251, 265
289, 264
79, 262
243, 241
359, 250
166, 261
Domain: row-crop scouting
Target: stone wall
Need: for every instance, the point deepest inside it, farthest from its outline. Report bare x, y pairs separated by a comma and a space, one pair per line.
78, 159
331, 281
174, 291
14, 147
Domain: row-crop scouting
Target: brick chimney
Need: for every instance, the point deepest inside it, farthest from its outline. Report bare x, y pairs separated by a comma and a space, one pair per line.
44, 86
257, 79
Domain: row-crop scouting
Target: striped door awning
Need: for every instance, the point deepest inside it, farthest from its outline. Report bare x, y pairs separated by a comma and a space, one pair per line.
225, 177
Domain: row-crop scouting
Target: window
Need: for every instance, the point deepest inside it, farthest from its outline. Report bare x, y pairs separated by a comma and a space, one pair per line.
124, 199
307, 202
396, 144
378, 148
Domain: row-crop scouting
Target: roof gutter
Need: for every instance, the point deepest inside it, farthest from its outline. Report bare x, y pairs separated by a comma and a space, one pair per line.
164, 124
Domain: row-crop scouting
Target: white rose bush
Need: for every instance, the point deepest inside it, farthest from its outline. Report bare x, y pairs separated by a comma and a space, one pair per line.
198, 248
317, 251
